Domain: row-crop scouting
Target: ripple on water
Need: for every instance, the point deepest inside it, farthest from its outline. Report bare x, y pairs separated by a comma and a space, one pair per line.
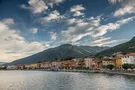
41, 80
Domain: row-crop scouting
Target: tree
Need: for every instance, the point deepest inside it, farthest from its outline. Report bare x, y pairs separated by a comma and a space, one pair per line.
39, 62
56, 58
110, 66
131, 66
68, 58
125, 66
2, 67
100, 57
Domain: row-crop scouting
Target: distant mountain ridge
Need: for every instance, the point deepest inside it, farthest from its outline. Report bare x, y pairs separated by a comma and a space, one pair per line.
1, 63
60, 52
123, 48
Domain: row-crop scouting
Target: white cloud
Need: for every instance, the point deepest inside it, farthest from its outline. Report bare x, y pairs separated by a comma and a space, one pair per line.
77, 10
80, 30
103, 29
127, 7
78, 13
53, 16
74, 21
36, 6
125, 10
71, 21
53, 35
57, 1
90, 28
115, 1
8, 21
52, 2
103, 41
13, 46
40, 6
34, 30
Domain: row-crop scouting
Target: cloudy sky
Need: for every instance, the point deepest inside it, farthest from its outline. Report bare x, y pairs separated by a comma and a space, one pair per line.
30, 26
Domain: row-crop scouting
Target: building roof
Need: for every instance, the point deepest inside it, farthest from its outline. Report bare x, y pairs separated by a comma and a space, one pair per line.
119, 56
130, 54
107, 59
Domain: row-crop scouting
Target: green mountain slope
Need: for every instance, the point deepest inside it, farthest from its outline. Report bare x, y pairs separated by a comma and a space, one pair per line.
123, 48
61, 52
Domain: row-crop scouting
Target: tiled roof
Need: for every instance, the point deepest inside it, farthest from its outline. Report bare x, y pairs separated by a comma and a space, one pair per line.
130, 54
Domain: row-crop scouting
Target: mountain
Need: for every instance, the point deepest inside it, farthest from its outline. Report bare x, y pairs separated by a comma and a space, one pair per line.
60, 52
1, 63
123, 48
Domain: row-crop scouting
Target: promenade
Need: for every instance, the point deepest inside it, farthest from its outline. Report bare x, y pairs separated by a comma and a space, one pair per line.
119, 72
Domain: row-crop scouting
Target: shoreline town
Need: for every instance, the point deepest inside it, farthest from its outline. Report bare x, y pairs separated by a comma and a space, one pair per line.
118, 64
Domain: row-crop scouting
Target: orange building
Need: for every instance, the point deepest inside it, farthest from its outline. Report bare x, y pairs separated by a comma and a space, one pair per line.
73, 63
96, 63
67, 64
81, 63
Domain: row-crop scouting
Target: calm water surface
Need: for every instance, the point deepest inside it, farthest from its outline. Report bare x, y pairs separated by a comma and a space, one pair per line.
41, 80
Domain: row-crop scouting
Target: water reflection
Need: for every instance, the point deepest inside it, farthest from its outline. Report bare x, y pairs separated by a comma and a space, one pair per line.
41, 80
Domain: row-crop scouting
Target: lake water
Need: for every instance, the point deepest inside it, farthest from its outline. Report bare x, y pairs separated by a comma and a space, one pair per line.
41, 80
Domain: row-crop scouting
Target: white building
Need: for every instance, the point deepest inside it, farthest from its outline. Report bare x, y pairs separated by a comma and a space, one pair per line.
128, 58
88, 62
56, 64
11, 67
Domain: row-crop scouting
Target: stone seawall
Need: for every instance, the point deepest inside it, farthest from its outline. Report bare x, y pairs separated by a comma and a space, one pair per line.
131, 73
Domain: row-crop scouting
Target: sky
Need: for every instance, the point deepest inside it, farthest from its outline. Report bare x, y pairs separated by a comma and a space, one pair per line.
31, 26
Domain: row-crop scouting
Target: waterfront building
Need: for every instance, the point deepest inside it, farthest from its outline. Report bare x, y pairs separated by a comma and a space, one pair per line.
20, 67
96, 63
118, 62
80, 63
12, 67
73, 63
56, 65
27, 66
46, 65
33, 66
128, 58
108, 61
88, 62
62, 66
67, 64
